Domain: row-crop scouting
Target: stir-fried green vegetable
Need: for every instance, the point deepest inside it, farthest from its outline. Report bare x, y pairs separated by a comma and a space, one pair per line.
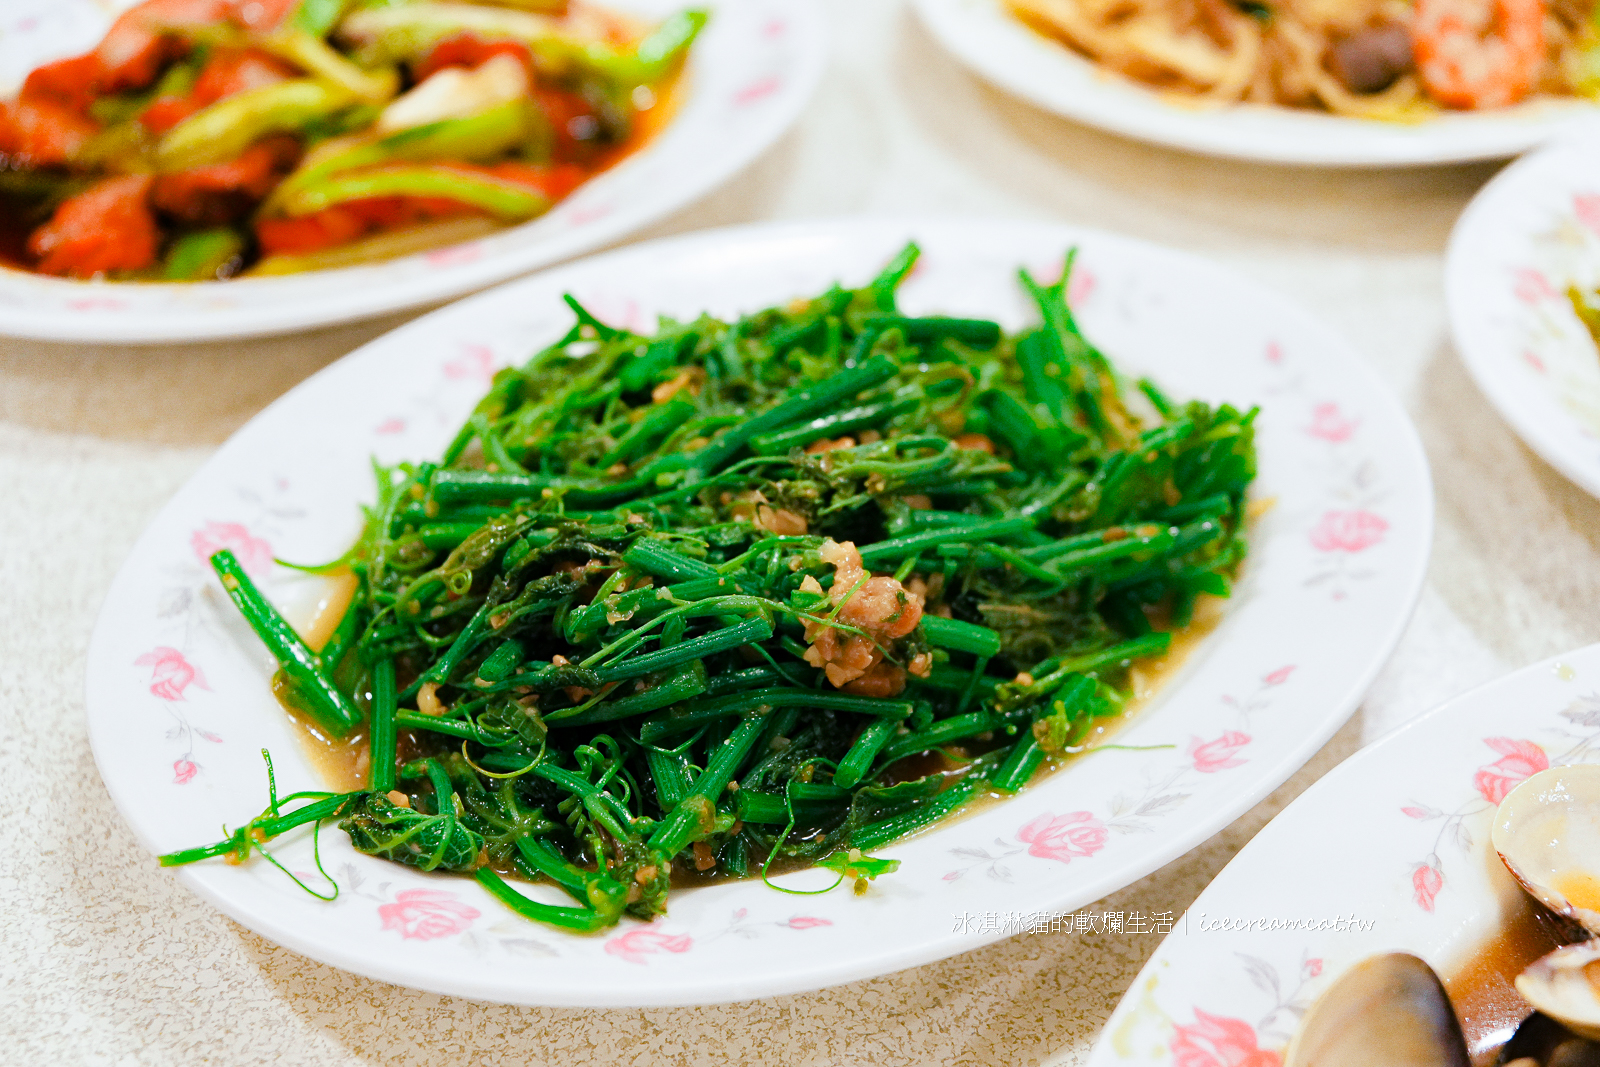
784, 588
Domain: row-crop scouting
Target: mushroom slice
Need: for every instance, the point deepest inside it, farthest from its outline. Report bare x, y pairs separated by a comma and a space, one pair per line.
1386, 1011
1565, 985
1547, 832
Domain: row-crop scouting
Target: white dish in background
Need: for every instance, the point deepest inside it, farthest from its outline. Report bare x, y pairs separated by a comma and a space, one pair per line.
1394, 842
178, 697
1526, 237
988, 39
749, 75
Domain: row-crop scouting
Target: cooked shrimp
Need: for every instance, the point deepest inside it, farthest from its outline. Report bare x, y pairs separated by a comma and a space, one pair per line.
1479, 53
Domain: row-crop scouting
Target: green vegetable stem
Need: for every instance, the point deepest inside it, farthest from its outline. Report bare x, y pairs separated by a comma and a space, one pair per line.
695, 600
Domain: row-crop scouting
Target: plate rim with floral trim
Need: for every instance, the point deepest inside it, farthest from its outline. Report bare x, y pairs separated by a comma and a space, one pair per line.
1338, 561
1530, 232
1417, 876
1049, 75
748, 79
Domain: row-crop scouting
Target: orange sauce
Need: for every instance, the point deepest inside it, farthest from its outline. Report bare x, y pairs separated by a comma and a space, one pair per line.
649, 122
1579, 887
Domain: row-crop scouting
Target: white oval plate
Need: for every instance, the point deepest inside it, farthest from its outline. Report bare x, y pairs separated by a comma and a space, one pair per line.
1336, 565
749, 76
984, 36
1529, 234
1389, 852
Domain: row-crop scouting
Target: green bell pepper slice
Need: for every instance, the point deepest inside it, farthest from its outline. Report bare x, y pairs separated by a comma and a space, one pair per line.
409, 32
202, 256
503, 199
299, 41
318, 17
225, 129
478, 138
314, 55
667, 43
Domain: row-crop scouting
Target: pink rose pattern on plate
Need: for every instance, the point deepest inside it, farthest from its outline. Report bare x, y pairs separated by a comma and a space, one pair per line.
741, 925
1252, 1032
466, 370
1063, 838
1540, 326
642, 942
1220, 754
255, 554
188, 622
1330, 424
1519, 759
1348, 531
1215, 1041
426, 914
474, 363
429, 913
759, 89
1354, 527
171, 674
1081, 834
1531, 286
1586, 209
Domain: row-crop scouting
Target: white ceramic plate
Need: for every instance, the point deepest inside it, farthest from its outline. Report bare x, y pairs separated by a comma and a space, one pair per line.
1388, 852
750, 74
1528, 235
994, 44
1336, 564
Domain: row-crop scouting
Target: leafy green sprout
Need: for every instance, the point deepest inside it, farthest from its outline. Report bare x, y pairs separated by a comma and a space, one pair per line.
582, 649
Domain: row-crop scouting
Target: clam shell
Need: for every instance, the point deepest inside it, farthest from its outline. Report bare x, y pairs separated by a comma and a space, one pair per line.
1386, 1011
1547, 833
1565, 985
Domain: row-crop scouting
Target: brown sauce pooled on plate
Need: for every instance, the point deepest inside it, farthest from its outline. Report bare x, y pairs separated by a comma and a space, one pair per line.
1482, 989
341, 762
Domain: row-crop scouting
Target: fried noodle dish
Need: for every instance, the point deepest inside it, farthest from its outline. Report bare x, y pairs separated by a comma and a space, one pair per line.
1383, 59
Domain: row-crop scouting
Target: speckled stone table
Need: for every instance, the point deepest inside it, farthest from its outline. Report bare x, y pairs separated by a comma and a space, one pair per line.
106, 960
